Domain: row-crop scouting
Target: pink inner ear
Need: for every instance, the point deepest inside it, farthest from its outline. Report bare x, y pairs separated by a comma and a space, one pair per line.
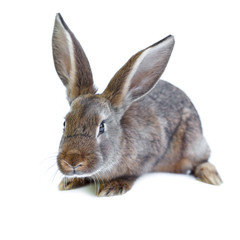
67, 63
149, 70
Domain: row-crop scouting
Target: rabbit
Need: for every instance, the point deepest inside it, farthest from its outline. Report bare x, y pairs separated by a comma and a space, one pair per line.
139, 124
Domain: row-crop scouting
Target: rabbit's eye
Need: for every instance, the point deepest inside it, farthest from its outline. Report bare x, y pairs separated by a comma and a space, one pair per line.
64, 124
101, 128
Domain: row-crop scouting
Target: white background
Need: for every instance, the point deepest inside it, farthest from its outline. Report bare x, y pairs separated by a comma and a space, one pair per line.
204, 63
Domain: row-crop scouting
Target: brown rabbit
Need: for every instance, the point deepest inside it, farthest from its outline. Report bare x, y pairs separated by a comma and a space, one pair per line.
139, 124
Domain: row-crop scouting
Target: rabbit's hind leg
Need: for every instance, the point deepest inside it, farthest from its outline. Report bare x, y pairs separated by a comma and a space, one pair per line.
195, 156
207, 172
196, 162
199, 152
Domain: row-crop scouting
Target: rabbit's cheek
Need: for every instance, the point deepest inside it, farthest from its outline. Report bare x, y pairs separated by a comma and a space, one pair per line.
104, 147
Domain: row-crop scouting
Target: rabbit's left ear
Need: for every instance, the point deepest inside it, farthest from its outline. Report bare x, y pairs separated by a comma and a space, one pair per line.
140, 74
70, 61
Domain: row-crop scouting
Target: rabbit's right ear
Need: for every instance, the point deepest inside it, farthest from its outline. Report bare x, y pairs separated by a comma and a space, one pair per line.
140, 74
70, 61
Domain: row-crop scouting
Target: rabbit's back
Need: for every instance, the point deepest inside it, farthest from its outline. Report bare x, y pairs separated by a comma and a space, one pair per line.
161, 128
170, 104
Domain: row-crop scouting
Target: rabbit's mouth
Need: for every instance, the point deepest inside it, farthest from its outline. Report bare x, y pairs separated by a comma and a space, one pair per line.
78, 164
83, 175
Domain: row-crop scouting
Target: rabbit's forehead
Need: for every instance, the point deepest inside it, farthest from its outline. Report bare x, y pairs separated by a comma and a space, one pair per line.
89, 100
90, 106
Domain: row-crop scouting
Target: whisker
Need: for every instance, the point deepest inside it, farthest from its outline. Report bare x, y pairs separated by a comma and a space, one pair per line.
94, 184
102, 182
55, 175
65, 179
97, 188
53, 165
50, 157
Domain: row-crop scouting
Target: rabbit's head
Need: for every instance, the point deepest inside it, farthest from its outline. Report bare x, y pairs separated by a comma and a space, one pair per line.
93, 132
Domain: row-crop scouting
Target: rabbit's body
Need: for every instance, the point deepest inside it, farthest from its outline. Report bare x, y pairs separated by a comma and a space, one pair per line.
139, 124
161, 133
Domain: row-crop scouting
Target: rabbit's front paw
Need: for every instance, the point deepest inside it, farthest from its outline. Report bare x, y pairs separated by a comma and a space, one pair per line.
116, 186
71, 183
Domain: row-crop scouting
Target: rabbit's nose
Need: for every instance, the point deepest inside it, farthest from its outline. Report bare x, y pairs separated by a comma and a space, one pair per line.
71, 163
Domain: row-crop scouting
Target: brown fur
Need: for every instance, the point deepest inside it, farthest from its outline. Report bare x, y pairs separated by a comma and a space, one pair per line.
117, 186
67, 184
